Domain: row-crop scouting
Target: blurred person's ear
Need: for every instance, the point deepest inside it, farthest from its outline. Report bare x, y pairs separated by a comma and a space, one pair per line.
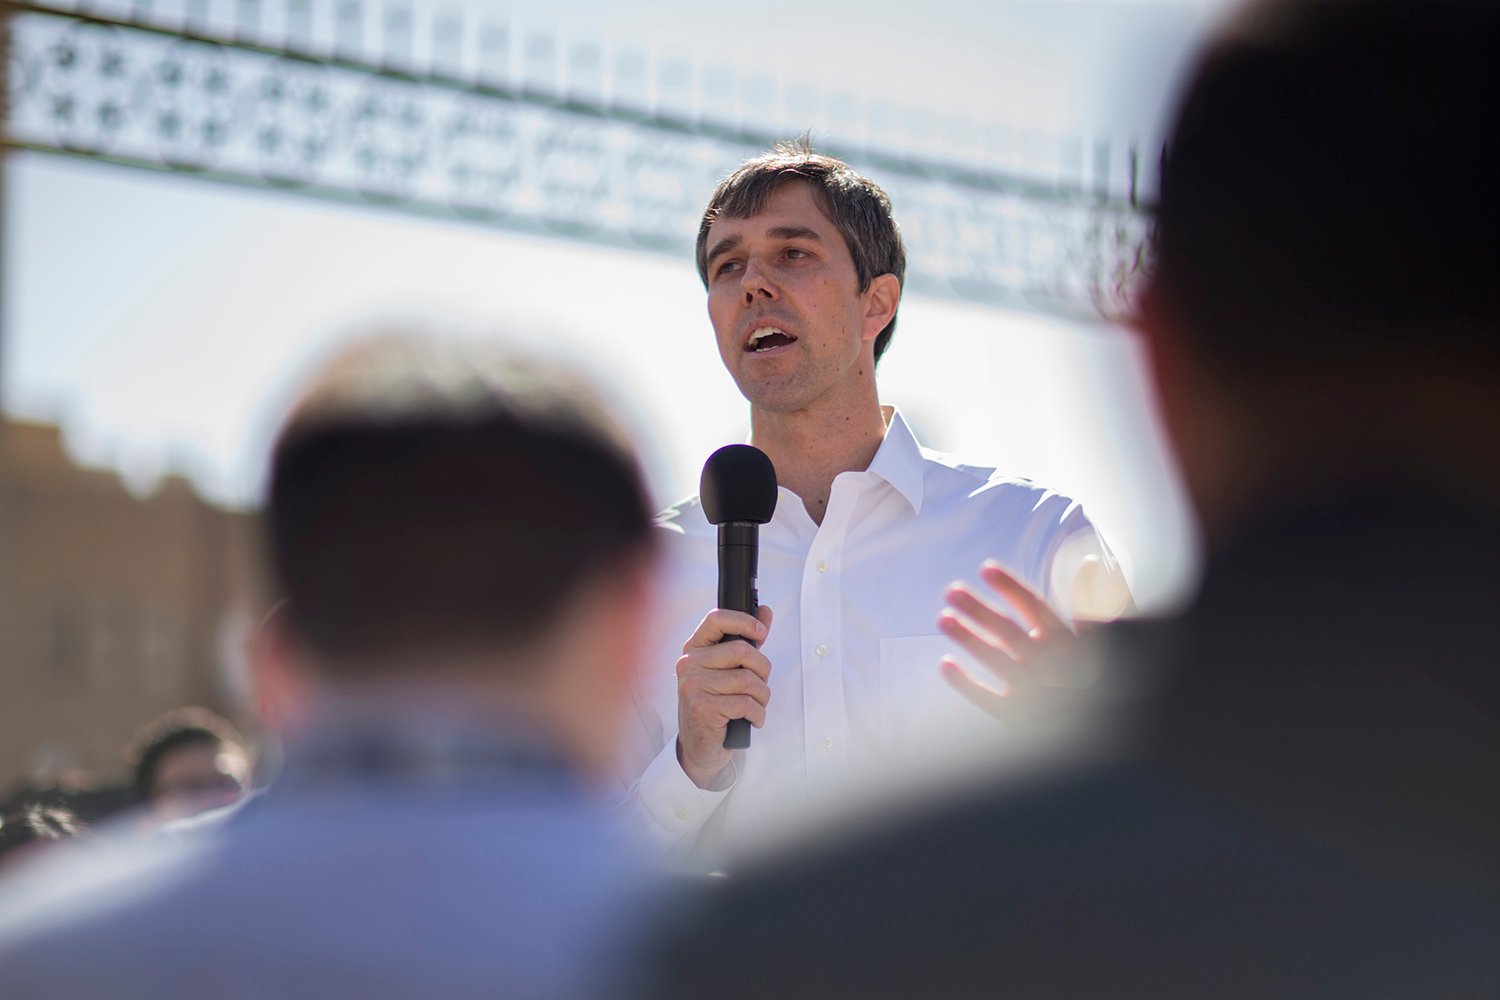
622, 606
595, 654
280, 681
1198, 410
637, 584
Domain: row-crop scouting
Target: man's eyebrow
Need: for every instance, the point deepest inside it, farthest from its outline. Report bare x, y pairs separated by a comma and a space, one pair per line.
725, 245
728, 243
794, 233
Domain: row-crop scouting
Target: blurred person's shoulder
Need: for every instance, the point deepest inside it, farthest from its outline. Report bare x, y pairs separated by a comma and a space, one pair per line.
212, 821
1107, 878
61, 902
904, 907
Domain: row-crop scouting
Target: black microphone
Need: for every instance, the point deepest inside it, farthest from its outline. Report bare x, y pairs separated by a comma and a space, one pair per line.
738, 490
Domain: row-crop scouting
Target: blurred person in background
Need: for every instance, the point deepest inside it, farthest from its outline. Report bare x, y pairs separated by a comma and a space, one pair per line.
465, 550
187, 761
803, 265
26, 831
1302, 796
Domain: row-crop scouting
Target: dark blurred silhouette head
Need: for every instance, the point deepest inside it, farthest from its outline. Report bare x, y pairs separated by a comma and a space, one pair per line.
442, 510
430, 496
186, 761
856, 205
1327, 245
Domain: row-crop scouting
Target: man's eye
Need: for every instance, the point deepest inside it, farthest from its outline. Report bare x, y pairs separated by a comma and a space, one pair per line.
796, 253
726, 267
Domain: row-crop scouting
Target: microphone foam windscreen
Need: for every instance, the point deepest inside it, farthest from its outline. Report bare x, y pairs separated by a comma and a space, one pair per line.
738, 484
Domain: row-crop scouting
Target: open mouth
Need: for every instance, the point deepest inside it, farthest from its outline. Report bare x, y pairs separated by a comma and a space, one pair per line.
767, 338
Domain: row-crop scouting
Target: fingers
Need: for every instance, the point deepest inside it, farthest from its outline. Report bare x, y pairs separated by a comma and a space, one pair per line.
697, 680
732, 682
1032, 609
722, 656
993, 637
977, 694
722, 675
710, 713
720, 623
991, 621
995, 657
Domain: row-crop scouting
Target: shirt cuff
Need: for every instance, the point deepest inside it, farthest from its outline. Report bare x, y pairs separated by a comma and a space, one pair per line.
676, 805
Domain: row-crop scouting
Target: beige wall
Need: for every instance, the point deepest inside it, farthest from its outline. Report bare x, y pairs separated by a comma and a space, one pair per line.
112, 607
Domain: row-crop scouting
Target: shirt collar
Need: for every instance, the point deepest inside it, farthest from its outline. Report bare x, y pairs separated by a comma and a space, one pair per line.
421, 755
423, 735
898, 460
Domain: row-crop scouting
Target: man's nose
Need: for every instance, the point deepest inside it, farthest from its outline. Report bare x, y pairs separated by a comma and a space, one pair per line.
756, 283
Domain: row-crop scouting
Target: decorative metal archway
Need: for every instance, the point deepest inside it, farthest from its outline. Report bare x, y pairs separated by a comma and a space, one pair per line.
447, 117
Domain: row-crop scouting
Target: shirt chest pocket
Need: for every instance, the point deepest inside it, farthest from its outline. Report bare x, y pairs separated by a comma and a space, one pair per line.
920, 711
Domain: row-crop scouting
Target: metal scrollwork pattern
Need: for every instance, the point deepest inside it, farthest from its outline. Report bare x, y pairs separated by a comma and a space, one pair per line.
234, 103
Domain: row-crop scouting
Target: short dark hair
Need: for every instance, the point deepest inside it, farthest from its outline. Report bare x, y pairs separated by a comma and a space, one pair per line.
1328, 192
435, 496
856, 205
179, 727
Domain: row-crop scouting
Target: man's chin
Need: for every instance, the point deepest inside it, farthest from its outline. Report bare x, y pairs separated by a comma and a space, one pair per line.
778, 400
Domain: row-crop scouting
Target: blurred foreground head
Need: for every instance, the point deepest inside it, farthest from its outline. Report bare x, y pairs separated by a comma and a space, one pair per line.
443, 513
1325, 301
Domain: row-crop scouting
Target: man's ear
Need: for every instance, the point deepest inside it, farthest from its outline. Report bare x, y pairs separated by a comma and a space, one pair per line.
633, 596
1172, 365
280, 678
881, 300
1212, 436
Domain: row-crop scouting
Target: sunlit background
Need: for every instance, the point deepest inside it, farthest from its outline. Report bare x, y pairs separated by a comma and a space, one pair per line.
160, 319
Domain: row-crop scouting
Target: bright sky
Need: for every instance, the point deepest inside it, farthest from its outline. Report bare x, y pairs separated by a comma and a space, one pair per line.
164, 321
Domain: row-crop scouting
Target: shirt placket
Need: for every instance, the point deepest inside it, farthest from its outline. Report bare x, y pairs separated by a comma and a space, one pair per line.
826, 730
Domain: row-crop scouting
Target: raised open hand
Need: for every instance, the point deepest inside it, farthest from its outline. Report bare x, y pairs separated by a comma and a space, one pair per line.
1017, 653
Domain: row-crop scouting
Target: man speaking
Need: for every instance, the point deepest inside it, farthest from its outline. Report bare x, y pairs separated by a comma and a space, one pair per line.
804, 265
1301, 798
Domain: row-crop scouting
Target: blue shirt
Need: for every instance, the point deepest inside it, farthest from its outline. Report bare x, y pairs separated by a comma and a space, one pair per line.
423, 863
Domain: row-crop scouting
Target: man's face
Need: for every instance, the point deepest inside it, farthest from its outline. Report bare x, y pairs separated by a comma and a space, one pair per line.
196, 777
792, 326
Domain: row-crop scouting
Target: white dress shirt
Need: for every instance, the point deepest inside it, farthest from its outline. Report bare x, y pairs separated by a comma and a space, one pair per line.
854, 643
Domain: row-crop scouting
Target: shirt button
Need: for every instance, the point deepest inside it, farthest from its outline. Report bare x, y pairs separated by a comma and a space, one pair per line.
822, 567
827, 743
822, 649
682, 813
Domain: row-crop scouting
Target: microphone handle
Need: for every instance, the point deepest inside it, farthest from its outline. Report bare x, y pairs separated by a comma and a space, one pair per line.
739, 551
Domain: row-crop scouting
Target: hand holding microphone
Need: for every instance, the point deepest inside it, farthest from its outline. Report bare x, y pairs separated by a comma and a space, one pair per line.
722, 676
